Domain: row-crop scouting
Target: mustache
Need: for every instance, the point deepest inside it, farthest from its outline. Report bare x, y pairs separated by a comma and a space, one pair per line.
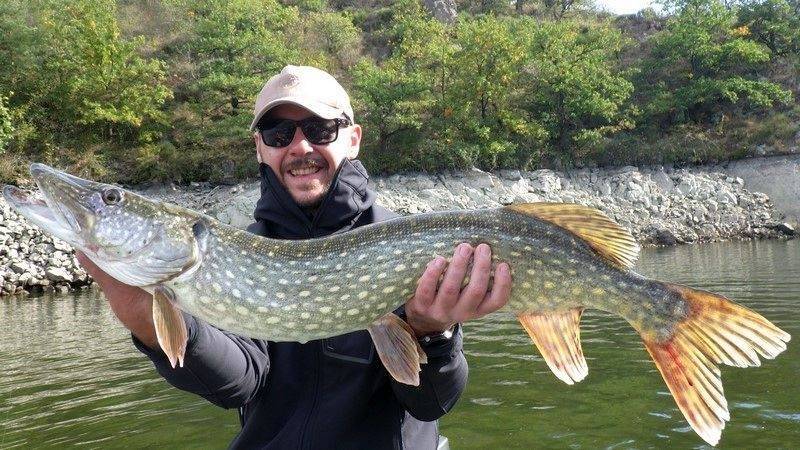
307, 161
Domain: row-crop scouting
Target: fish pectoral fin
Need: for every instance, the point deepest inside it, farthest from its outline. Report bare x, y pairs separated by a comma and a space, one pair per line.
170, 326
398, 348
557, 336
715, 331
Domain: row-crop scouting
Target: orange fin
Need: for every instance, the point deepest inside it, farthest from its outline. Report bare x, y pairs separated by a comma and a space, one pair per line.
398, 348
557, 336
170, 326
716, 331
605, 236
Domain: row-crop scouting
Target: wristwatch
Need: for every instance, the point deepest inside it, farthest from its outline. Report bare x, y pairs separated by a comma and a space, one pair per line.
433, 338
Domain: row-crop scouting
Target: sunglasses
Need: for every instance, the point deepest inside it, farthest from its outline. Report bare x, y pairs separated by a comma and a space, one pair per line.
318, 131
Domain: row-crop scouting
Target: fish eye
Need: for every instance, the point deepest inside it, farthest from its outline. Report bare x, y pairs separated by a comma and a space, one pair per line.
112, 196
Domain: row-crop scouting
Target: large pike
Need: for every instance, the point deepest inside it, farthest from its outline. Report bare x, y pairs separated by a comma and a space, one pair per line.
564, 258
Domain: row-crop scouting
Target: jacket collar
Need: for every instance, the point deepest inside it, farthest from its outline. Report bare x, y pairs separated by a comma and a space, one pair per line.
342, 205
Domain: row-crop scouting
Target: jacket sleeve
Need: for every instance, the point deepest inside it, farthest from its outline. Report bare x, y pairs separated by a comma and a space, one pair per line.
224, 368
441, 381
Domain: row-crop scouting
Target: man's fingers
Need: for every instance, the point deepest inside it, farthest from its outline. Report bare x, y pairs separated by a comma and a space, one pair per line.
498, 296
473, 294
428, 283
450, 288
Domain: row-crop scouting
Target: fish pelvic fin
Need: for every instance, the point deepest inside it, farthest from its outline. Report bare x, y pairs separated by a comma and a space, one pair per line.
398, 348
591, 225
170, 326
557, 336
716, 331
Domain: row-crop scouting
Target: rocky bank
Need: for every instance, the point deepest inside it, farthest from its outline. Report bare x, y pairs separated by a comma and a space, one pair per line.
661, 206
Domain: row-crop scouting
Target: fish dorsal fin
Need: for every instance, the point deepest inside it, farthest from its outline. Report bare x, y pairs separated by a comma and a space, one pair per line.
604, 235
558, 338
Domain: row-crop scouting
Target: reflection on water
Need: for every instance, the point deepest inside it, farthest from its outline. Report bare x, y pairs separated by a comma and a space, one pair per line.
71, 376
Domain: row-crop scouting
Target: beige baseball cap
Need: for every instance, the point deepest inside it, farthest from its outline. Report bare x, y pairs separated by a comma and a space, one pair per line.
307, 87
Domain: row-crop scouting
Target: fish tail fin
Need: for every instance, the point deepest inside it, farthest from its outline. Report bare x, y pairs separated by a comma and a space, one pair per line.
715, 331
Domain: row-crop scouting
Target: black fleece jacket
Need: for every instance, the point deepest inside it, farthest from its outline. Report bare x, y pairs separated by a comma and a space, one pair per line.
328, 394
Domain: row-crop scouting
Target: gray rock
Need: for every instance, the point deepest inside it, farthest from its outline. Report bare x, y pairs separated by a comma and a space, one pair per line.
545, 180
686, 188
19, 267
479, 179
663, 236
785, 228
58, 274
506, 199
442, 10
726, 197
512, 175
663, 181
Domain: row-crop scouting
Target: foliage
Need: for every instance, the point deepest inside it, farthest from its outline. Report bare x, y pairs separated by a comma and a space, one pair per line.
398, 97
136, 90
702, 62
774, 23
76, 80
6, 125
574, 86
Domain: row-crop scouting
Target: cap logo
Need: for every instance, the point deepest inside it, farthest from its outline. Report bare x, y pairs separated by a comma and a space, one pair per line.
291, 81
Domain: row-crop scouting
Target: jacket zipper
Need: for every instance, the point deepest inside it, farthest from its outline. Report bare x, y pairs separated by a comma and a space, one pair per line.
317, 378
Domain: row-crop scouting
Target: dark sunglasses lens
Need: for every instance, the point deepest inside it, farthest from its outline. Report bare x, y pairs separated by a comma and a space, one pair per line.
278, 133
320, 131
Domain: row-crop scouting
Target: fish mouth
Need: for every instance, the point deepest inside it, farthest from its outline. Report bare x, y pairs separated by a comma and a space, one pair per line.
37, 211
67, 207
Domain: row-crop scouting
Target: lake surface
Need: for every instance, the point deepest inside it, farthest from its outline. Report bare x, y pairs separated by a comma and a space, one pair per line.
70, 376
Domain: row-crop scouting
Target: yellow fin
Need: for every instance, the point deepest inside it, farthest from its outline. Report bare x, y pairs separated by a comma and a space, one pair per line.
604, 235
398, 348
716, 331
557, 336
170, 326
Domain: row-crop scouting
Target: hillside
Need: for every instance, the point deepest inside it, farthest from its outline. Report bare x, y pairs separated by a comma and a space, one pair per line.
141, 90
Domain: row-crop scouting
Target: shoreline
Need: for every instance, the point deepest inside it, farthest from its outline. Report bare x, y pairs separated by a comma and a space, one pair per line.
660, 206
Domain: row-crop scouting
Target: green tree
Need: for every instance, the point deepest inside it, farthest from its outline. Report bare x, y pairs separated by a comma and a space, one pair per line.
398, 98
573, 85
774, 23
234, 49
228, 51
703, 62
76, 81
486, 67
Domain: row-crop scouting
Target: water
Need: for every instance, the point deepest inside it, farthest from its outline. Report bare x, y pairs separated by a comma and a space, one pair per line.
70, 375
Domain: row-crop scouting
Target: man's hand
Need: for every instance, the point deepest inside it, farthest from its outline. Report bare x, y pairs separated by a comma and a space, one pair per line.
132, 305
437, 307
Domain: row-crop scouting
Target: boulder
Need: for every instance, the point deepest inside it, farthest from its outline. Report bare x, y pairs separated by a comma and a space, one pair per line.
545, 180
785, 228
663, 181
663, 236
57, 274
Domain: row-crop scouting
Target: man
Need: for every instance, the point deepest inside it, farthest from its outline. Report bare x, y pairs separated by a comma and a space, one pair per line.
332, 393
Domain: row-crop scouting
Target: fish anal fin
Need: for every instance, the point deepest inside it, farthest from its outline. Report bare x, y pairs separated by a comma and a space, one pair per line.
715, 330
170, 326
602, 234
557, 336
398, 348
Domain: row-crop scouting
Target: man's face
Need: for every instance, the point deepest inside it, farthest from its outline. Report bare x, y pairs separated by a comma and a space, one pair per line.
306, 170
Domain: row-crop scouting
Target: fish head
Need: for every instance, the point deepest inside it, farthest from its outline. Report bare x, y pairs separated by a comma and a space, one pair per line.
136, 240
